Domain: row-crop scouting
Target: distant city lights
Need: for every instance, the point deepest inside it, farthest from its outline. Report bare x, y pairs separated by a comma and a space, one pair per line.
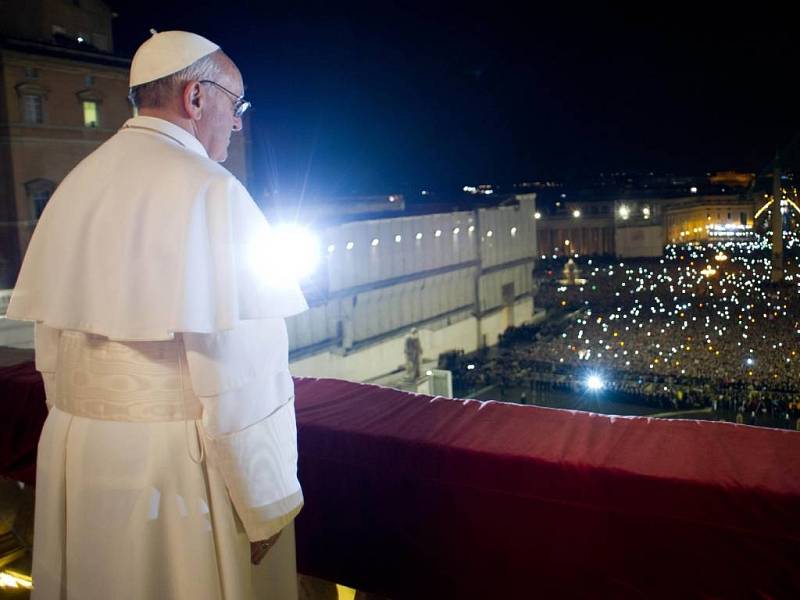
709, 271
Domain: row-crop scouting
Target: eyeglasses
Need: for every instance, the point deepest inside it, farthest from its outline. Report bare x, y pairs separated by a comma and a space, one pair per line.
240, 105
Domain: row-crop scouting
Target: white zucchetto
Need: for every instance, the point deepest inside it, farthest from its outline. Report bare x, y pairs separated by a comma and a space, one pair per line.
166, 53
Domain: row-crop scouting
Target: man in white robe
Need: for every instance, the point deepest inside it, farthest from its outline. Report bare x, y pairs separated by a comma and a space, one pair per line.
167, 466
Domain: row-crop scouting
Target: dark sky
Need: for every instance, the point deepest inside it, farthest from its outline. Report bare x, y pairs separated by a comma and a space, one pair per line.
357, 99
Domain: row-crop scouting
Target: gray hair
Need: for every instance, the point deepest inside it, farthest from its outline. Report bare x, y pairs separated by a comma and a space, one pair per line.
158, 93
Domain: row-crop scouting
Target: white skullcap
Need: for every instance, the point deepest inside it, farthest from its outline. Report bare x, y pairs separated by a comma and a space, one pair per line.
166, 53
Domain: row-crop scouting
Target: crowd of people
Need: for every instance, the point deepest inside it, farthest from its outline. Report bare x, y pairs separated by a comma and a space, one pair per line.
702, 327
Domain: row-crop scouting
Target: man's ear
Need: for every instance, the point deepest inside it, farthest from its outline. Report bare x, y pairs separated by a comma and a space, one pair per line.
193, 98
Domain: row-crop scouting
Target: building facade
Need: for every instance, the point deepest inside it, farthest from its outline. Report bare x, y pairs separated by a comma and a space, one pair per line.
706, 217
461, 278
583, 228
641, 227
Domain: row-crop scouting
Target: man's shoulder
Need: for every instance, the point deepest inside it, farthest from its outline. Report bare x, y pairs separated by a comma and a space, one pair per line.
143, 166
157, 154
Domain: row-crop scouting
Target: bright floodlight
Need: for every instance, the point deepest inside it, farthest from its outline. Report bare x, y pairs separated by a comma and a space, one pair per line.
595, 383
288, 254
624, 212
576, 213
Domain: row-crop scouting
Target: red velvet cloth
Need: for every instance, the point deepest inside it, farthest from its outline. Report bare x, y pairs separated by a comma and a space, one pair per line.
24, 410
414, 497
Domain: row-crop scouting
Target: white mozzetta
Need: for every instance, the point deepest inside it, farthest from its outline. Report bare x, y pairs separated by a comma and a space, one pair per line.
171, 243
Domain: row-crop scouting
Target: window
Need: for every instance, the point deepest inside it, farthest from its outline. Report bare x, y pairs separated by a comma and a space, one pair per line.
88, 81
101, 41
39, 192
31, 73
32, 110
91, 116
507, 291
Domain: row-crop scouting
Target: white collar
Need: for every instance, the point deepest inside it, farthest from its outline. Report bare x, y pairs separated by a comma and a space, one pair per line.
168, 130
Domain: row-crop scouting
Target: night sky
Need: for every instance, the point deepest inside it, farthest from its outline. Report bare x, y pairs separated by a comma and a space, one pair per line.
353, 99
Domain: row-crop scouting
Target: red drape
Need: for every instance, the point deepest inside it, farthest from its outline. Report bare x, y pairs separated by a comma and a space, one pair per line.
415, 497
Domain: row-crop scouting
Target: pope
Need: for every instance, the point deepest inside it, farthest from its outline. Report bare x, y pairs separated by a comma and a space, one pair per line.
167, 467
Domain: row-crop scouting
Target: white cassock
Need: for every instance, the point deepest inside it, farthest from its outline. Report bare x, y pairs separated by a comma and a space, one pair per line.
160, 336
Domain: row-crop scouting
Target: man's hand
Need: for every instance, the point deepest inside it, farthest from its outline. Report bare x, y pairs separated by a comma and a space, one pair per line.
258, 550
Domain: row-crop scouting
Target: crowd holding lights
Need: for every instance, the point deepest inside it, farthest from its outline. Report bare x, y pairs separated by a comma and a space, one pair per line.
682, 316
702, 325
